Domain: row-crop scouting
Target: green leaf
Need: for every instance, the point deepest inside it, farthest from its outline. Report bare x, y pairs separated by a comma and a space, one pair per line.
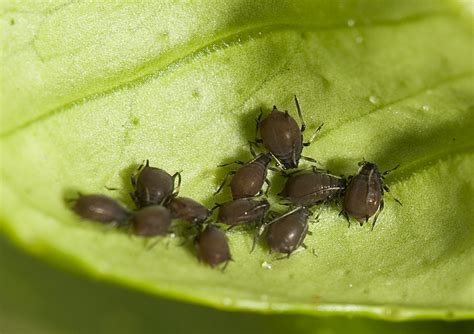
89, 90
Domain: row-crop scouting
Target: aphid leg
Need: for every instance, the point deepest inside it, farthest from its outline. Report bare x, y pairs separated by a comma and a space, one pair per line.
313, 136
319, 170
134, 199
177, 175
167, 243
313, 251
377, 214
148, 246
300, 115
225, 265
284, 173
140, 167
309, 233
257, 234
186, 240
308, 159
238, 162
287, 256
145, 163
387, 190
390, 170
111, 188
273, 169
319, 211
257, 126
130, 233
230, 228
216, 205
269, 184
70, 200
278, 163
251, 148
344, 213
223, 182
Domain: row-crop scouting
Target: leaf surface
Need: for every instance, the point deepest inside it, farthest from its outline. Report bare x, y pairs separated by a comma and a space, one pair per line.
91, 90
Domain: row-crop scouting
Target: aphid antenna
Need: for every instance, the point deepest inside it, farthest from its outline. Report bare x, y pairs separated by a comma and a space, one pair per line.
284, 215
148, 246
390, 170
300, 115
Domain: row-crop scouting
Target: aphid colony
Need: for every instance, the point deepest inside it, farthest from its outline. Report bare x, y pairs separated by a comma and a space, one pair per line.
155, 194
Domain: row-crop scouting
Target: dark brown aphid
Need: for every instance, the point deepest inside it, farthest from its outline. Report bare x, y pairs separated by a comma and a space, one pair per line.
308, 188
188, 209
363, 196
287, 232
247, 181
153, 186
151, 221
282, 136
101, 208
242, 211
212, 246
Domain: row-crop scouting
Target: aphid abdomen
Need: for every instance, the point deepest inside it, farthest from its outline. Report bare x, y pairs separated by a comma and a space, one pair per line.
286, 234
152, 186
189, 210
151, 221
281, 135
100, 208
310, 188
248, 179
362, 199
242, 211
212, 246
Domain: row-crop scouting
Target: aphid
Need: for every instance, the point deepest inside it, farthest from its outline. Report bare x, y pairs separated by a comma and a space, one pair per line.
247, 181
188, 209
101, 208
282, 136
242, 211
286, 233
363, 196
308, 188
153, 186
212, 247
151, 221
